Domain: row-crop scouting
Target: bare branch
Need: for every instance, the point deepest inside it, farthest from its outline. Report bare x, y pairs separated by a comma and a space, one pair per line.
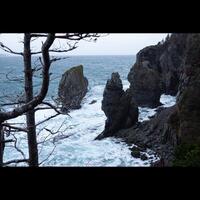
48, 156
52, 106
15, 161
9, 104
59, 50
19, 150
14, 127
70, 36
47, 119
8, 50
38, 35
58, 58
7, 141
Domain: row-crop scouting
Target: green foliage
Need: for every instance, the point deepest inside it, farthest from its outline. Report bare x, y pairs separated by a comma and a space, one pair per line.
187, 155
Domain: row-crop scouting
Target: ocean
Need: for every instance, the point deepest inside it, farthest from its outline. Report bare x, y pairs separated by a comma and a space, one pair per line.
73, 143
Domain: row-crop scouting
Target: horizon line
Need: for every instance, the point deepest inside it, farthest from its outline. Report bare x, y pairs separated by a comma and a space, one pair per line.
76, 55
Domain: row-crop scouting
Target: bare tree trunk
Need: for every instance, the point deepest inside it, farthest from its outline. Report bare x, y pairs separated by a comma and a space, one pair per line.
1, 145
30, 115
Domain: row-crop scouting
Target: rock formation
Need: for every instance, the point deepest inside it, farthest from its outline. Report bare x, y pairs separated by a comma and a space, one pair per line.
175, 126
188, 98
72, 88
180, 124
157, 70
118, 106
158, 134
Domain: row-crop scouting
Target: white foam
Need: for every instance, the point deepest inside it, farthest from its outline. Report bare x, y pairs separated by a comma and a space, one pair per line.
168, 100
80, 148
145, 113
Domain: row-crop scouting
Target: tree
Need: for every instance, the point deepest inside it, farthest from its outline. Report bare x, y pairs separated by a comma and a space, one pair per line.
31, 101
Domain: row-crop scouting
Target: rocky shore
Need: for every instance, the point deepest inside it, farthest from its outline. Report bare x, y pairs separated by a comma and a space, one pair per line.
170, 67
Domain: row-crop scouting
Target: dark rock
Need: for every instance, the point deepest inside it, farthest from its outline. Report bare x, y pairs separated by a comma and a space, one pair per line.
143, 157
144, 81
135, 152
176, 63
118, 106
72, 88
157, 70
159, 109
158, 134
188, 99
159, 163
93, 101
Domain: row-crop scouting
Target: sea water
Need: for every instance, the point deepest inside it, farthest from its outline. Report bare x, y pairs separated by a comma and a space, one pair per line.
70, 141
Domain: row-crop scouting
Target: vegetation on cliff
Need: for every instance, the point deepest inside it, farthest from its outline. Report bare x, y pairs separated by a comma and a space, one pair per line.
187, 155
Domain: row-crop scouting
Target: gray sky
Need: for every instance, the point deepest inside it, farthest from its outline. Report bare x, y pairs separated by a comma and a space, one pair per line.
113, 44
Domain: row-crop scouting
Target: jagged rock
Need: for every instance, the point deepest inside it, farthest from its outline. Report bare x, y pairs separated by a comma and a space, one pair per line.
118, 106
72, 88
157, 70
178, 124
145, 88
159, 134
188, 99
136, 153
159, 163
143, 157
178, 57
93, 101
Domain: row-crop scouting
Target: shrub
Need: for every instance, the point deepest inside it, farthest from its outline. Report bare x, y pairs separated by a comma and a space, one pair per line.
187, 155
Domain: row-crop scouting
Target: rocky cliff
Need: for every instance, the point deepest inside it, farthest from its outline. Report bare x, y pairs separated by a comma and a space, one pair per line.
173, 133
157, 70
72, 88
157, 134
188, 99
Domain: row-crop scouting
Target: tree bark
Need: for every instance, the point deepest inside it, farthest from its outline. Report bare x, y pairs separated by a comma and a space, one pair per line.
30, 115
2, 145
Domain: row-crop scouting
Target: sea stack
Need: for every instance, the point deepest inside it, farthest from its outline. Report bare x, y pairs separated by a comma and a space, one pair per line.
120, 110
72, 88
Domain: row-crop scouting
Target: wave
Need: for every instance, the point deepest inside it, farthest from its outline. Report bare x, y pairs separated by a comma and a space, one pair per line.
74, 141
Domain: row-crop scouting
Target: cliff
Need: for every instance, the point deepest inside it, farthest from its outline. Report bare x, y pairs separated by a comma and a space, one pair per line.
172, 67
157, 70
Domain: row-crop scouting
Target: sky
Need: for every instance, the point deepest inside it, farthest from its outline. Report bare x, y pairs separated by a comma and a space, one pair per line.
111, 44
